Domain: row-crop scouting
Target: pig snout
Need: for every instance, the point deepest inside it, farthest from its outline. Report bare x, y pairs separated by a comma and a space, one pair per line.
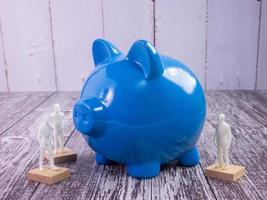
88, 117
83, 117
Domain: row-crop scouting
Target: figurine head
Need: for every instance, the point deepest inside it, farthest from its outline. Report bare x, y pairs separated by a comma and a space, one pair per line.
46, 120
56, 107
221, 118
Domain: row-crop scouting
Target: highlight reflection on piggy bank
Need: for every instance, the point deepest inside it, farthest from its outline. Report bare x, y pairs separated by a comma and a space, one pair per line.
140, 109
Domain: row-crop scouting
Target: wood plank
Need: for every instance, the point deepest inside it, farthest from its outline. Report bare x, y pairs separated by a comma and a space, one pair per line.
181, 32
247, 134
177, 182
113, 183
28, 45
20, 148
127, 21
3, 80
75, 25
232, 44
262, 62
15, 106
255, 100
256, 110
263, 93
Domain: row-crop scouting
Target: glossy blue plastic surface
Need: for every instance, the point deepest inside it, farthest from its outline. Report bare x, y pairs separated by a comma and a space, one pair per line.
140, 109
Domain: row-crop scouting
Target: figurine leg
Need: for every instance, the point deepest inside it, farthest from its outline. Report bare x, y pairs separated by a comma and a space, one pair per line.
41, 158
101, 160
55, 142
225, 157
220, 157
60, 140
51, 158
189, 158
146, 170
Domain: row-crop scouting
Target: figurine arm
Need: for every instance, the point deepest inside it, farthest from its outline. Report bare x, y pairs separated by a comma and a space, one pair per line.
63, 117
52, 138
215, 137
229, 136
39, 136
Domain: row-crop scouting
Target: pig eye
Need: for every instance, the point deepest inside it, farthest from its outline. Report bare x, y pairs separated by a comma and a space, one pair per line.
106, 95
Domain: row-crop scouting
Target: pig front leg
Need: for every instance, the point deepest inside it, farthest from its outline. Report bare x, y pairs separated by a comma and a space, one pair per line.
101, 160
189, 158
145, 170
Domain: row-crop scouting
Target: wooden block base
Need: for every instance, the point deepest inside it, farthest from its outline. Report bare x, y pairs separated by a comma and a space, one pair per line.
232, 173
65, 156
48, 176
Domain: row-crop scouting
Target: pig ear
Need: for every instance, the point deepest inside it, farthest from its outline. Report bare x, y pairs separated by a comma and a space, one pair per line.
144, 54
104, 51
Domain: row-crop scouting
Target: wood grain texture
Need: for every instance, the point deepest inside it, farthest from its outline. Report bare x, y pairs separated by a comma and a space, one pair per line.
255, 100
257, 110
28, 45
176, 182
20, 147
262, 62
15, 106
181, 32
127, 21
75, 25
232, 38
247, 149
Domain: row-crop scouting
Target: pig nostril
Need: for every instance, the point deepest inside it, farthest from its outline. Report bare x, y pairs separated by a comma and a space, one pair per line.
77, 115
83, 117
86, 117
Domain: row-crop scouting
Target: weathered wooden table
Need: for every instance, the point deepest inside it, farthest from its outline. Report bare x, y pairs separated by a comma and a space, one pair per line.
20, 114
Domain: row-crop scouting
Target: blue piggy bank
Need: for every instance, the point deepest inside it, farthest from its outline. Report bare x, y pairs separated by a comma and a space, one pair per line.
140, 109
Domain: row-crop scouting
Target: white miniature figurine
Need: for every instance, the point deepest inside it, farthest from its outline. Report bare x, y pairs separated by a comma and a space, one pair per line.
223, 140
57, 120
45, 139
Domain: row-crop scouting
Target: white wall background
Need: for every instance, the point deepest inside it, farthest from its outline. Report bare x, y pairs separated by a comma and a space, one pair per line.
45, 45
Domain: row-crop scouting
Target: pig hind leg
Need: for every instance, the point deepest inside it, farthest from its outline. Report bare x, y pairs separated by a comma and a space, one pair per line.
189, 158
101, 160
